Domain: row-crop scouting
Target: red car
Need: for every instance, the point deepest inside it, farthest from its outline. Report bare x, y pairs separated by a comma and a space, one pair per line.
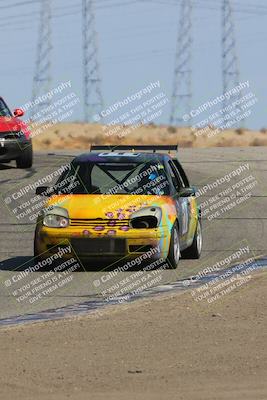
15, 141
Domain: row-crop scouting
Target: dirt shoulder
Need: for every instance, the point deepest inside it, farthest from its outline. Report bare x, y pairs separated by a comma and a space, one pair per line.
168, 347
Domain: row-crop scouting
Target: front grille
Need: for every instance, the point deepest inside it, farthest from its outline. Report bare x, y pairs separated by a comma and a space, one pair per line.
56, 249
11, 135
98, 246
140, 249
105, 223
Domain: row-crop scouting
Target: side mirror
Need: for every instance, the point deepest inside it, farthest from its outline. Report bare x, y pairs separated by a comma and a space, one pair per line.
195, 188
43, 191
187, 192
18, 112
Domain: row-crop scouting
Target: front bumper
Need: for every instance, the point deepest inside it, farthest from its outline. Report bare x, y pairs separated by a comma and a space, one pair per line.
131, 243
11, 149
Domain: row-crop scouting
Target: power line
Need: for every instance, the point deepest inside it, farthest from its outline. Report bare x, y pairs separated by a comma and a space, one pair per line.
23, 3
237, 7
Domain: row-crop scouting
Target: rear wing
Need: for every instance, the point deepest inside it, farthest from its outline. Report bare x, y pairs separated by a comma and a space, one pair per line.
136, 148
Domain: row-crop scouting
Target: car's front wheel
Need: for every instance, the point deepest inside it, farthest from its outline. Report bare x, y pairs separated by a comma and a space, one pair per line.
36, 250
24, 161
174, 250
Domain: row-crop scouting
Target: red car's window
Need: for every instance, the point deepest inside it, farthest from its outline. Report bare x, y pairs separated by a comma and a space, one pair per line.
4, 110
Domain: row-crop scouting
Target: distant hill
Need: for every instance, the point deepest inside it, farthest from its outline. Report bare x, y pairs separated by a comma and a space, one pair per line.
81, 135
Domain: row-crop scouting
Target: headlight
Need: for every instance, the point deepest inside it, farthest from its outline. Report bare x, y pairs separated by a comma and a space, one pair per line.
55, 221
146, 218
56, 217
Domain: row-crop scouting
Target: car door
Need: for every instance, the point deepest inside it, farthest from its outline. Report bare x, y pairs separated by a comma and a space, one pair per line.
180, 202
186, 206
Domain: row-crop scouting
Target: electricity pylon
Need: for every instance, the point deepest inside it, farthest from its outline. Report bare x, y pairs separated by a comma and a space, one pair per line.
182, 91
42, 75
230, 69
93, 101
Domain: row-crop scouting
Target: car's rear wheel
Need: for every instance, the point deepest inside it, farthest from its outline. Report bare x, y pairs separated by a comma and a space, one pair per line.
24, 161
194, 251
174, 250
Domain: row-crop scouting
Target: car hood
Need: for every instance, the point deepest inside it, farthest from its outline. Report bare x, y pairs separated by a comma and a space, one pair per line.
13, 124
109, 206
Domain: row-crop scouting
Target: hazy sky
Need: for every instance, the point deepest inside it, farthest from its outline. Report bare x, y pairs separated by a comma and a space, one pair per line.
137, 41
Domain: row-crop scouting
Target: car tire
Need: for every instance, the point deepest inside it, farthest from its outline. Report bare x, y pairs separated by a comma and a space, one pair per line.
25, 159
36, 252
194, 251
174, 250
38, 258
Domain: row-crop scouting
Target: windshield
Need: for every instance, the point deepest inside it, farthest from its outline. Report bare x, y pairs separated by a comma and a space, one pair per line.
4, 111
114, 178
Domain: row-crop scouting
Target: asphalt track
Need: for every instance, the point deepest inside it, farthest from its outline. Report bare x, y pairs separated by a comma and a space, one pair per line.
242, 225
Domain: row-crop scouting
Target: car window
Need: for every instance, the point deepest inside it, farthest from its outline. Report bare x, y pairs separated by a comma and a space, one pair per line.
116, 178
176, 178
113, 178
181, 173
125, 178
4, 110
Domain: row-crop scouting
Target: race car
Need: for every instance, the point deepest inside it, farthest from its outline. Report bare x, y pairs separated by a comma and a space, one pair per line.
113, 203
15, 141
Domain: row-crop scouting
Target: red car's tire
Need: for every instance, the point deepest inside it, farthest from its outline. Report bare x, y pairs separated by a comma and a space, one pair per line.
25, 160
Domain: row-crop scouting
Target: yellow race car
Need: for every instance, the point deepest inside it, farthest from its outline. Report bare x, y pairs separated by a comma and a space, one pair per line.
113, 203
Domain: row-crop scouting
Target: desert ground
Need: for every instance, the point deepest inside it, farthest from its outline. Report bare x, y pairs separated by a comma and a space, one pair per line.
81, 136
168, 347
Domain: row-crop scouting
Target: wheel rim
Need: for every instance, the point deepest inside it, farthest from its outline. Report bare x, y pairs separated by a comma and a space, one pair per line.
176, 246
199, 238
